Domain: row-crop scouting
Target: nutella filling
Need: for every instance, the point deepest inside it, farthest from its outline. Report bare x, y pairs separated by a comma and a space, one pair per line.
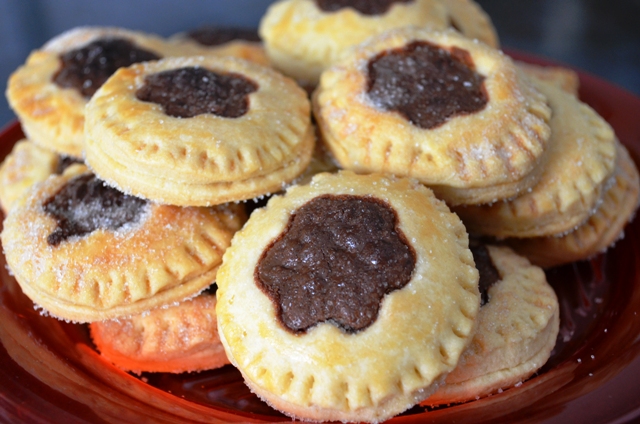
192, 91
336, 260
87, 68
366, 7
489, 275
425, 83
86, 204
214, 36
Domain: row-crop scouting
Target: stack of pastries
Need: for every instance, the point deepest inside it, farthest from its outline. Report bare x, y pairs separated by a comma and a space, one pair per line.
414, 198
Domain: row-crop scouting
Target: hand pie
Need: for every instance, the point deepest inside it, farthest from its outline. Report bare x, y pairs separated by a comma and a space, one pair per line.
49, 92
199, 131
347, 299
82, 251
582, 152
518, 325
305, 37
177, 338
457, 115
26, 165
601, 230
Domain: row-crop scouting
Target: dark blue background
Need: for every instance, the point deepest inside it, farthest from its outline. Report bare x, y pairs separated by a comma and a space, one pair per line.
599, 36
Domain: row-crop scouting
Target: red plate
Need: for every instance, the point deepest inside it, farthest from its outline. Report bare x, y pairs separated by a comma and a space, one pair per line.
51, 373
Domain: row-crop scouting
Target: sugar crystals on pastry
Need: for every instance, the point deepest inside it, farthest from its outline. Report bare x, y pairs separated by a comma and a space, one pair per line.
199, 130
84, 252
518, 324
348, 298
456, 114
49, 92
581, 162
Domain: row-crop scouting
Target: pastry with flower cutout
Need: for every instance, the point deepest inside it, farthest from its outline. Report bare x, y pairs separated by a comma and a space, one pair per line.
199, 131
27, 164
222, 41
565, 78
518, 325
602, 229
49, 92
83, 251
455, 114
175, 339
305, 37
349, 298
582, 156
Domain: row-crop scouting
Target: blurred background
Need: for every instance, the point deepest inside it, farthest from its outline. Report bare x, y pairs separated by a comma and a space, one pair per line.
598, 36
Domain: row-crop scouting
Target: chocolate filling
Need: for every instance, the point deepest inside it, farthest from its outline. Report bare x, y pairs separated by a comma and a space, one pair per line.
214, 36
489, 275
425, 83
366, 7
86, 204
88, 67
336, 260
192, 91
64, 162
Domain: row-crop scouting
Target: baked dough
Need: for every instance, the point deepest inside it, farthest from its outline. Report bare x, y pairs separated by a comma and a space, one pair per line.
473, 158
200, 42
177, 338
302, 40
581, 161
52, 116
517, 329
325, 372
600, 231
564, 78
167, 255
132, 144
26, 165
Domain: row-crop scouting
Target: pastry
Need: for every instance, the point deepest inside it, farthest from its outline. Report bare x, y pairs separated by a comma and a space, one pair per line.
82, 251
26, 165
227, 130
222, 41
581, 161
49, 92
601, 230
305, 37
177, 338
382, 110
349, 298
518, 325
564, 78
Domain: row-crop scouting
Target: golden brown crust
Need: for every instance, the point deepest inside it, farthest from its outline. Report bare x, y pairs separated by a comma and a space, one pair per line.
171, 254
26, 165
242, 49
564, 78
52, 116
302, 40
581, 161
468, 17
600, 231
474, 158
417, 337
177, 338
516, 332
213, 160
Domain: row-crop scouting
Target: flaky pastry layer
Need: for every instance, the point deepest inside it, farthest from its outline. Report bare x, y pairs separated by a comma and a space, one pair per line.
473, 158
132, 144
371, 375
171, 254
